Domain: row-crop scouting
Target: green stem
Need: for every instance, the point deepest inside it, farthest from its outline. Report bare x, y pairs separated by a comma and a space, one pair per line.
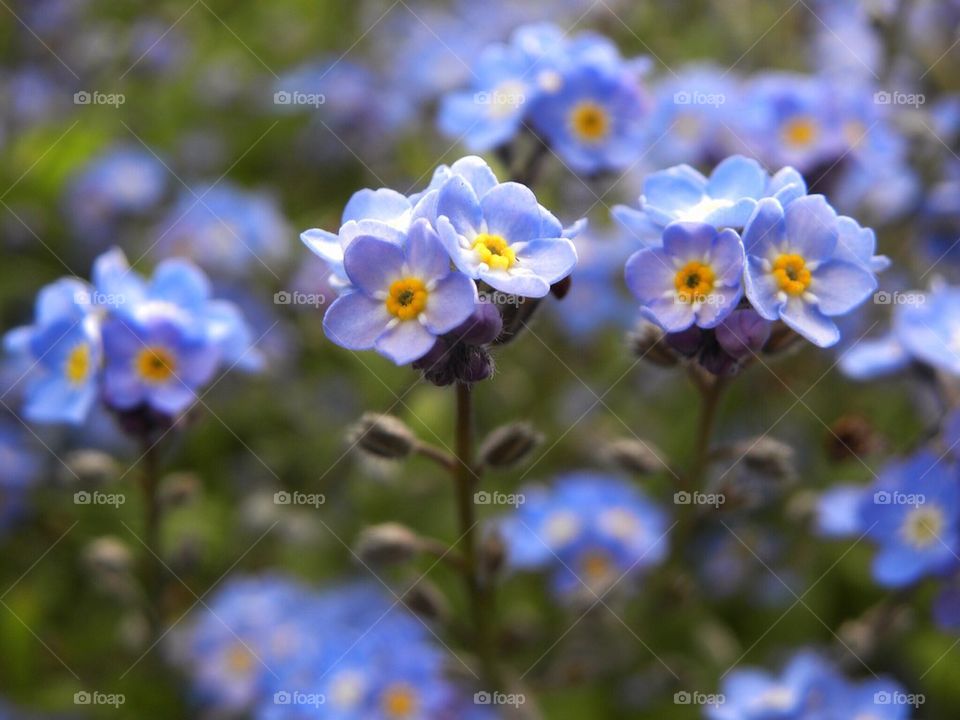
152, 572
710, 394
479, 590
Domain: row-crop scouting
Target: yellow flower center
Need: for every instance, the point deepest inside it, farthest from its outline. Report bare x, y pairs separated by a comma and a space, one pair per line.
791, 273
800, 131
596, 566
239, 659
922, 526
407, 298
590, 121
399, 701
156, 364
494, 251
77, 366
693, 281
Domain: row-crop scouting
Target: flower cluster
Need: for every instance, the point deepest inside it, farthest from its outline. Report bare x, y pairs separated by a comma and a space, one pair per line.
577, 94
740, 233
809, 688
273, 648
140, 345
416, 273
588, 529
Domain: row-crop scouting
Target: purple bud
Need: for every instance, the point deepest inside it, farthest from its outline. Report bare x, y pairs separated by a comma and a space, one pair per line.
744, 333
686, 342
482, 327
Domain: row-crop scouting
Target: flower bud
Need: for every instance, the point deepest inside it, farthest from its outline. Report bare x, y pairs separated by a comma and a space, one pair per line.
851, 436
509, 444
108, 554
483, 327
634, 456
426, 600
387, 544
475, 364
91, 468
743, 334
766, 456
647, 341
493, 554
686, 342
560, 288
179, 489
383, 436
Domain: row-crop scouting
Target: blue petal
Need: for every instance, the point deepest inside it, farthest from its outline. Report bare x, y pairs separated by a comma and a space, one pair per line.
63, 298
450, 303
180, 282
762, 289
171, 398
811, 227
323, 244
727, 257
511, 211
476, 172
638, 224
841, 286
737, 177
688, 240
459, 203
465, 259
650, 274
720, 303
766, 228
355, 321
372, 264
668, 191
385, 205
405, 342
786, 186
112, 276
871, 358
517, 281
671, 314
810, 322
425, 254
551, 259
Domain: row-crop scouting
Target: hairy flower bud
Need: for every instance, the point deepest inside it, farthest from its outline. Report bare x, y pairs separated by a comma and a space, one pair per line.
387, 544
426, 600
647, 341
493, 554
687, 342
509, 444
743, 334
634, 456
766, 456
91, 468
383, 436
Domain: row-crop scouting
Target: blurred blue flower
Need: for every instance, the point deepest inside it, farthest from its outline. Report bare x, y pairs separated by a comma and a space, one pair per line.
227, 230
588, 529
912, 515
119, 182
594, 120
693, 279
500, 234
21, 471
403, 298
794, 272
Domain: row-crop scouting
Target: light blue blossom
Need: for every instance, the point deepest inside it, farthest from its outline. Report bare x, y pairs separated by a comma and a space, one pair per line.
499, 233
693, 279
587, 529
402, 298
913, 515
794, 272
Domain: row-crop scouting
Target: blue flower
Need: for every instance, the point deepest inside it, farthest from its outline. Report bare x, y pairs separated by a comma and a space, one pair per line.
693, 279
498, 233
225, 229
594, 121
157, 360
913, 515
794, 272
21, 471
63, 353
588, 529
403, 298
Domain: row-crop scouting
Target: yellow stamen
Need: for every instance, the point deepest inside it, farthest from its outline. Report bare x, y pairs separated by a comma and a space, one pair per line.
156, 364
407, 298
494, 251
800, 131
590, 121
791, 273
77, 367
239, 659
922, 526
694, 281
596, 566
399, 701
